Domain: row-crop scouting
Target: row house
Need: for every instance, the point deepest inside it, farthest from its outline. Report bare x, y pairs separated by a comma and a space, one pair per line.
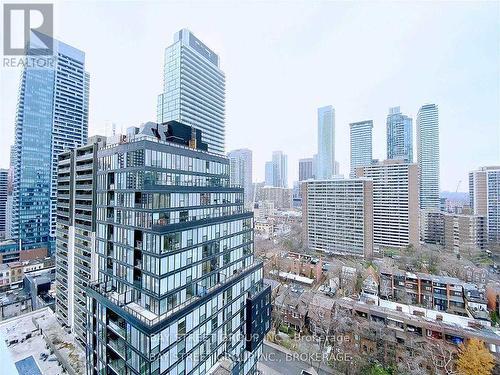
437, 292
410, 324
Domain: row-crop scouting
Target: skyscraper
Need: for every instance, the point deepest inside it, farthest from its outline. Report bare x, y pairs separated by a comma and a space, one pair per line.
3, 200
9, 202
484, 195
361, 145
52, 115
194, 89
326, 142
240, 162
428, 155
399, 136
269, 176
76, 257
280, 169
179, 286
306, 169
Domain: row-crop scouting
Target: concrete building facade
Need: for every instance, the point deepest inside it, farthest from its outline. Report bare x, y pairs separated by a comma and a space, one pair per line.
395, 202
337, 216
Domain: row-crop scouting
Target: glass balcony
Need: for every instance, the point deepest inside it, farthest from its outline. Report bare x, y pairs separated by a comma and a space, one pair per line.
117, 366
118, 327
118, 346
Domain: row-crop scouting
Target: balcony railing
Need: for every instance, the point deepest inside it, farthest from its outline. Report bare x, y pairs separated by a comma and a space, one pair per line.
120, 330
117, 365
124, 300
118, 346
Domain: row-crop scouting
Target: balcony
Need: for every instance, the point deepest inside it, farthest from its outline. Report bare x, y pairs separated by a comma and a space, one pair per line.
117, 327
131, 303
118, 347
117, 366
84, 167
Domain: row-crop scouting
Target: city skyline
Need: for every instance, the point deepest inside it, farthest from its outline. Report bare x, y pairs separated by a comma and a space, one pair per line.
161, 191
466, 65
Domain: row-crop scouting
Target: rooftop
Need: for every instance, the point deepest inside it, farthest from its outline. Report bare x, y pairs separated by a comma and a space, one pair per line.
30, 334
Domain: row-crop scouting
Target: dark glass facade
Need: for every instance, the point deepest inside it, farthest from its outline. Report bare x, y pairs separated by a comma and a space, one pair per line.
175, 261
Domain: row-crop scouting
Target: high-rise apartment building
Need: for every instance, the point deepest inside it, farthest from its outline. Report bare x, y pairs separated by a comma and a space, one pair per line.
315, 166
10, 198
326, 142
484, 195
52, 115
432, 226
280, 169
179, 287
281, 198
4, 174
76, 258
399, 136
241, 171
428, 155
194, 89
464, 232
337, 215
306, 169
395, 202
269, 174
8, 216
361, 145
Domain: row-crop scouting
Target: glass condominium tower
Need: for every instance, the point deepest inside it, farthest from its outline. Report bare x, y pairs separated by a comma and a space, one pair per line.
179, 287
361, 145
326, 142
399, 136
428, 155
194, 89
241, 171
280, 169
52, 115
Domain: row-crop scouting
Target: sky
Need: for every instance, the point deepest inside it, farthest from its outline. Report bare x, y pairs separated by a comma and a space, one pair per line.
284, 59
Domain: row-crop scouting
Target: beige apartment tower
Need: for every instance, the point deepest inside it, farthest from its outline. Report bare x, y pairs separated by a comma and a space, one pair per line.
395, 202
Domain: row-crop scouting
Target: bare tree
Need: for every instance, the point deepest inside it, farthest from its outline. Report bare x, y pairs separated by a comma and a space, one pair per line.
441, 357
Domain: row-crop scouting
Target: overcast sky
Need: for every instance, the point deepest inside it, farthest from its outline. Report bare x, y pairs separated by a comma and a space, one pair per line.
285, 59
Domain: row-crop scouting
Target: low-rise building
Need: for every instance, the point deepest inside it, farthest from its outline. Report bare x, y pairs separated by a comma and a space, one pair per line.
441, 293
493, 297
370, 286
319, 316
410, 323
13, 273
476, 303
291, 307
12, 251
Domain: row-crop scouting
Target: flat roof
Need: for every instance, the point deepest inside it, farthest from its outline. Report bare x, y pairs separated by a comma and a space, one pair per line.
29, 334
